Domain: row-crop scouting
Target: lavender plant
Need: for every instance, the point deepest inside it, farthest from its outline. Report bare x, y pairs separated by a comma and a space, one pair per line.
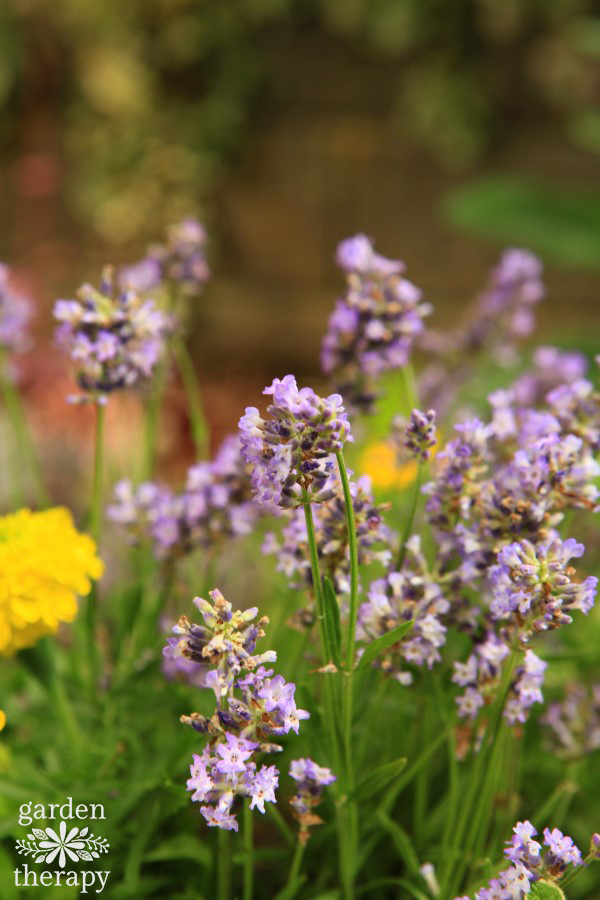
429, 624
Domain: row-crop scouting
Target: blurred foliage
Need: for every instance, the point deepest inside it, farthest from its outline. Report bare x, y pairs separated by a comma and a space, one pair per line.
152, 98
562, 226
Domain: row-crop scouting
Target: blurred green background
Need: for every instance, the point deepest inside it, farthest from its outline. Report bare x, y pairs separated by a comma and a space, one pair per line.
445, 130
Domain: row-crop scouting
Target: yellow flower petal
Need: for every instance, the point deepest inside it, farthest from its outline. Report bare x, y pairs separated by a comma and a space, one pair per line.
2, 719
45, 564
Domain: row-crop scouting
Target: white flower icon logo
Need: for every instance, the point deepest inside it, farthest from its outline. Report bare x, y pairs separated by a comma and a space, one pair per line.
48, 845
66, 843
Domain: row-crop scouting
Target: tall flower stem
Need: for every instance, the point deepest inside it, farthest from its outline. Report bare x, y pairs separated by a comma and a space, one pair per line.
95, 530
470, 812
248, 852
223, 866
187, 371
348, 680
296, 865
410, 519
343, 832
18, 420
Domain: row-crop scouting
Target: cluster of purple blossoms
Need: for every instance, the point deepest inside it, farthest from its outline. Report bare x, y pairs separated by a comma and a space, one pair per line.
217, 780
215, 504
481, 674
508, 480
253, 707
534, 585
15, 315
500, 318
530, 863
114, 337
402, 596
513, 883
561, 851
310, 780
551, 368
291, 451
373, 328
331, 532
575, 722
181, 261
416, 437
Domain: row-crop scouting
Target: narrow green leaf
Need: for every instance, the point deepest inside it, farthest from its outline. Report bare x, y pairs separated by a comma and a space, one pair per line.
380, 644
401, 841
333, 626
378, 779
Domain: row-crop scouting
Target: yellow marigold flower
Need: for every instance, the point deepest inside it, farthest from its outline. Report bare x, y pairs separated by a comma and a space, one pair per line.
45, 563
2, 719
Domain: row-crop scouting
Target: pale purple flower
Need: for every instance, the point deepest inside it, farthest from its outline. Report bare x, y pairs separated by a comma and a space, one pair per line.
292, 449
114, 337
373, 328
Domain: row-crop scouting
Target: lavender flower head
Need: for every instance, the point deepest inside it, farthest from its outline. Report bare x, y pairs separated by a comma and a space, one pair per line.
253, 706
180, 261
310, 780
215, 504
15, 315
402, 596
291, 451
534, 585
561, 851
480, 677
418, 435
114, 337
373, 328
216, 780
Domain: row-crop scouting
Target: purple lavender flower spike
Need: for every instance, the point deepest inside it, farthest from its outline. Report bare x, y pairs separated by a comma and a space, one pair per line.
253, 707
373, 328
561, 851
214, 505
535, 585
310, 780
180, 261
292, 450
418, 435
114, 337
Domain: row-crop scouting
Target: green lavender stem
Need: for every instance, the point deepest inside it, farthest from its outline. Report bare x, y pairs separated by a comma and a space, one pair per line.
343, 831
18, 420
95, 529
248, 852
296, 865
348, 682
223, 865
191, 385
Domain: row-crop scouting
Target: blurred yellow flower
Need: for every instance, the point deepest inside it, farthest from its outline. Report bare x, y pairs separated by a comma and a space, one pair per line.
380, 462
2, 719
44, 564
